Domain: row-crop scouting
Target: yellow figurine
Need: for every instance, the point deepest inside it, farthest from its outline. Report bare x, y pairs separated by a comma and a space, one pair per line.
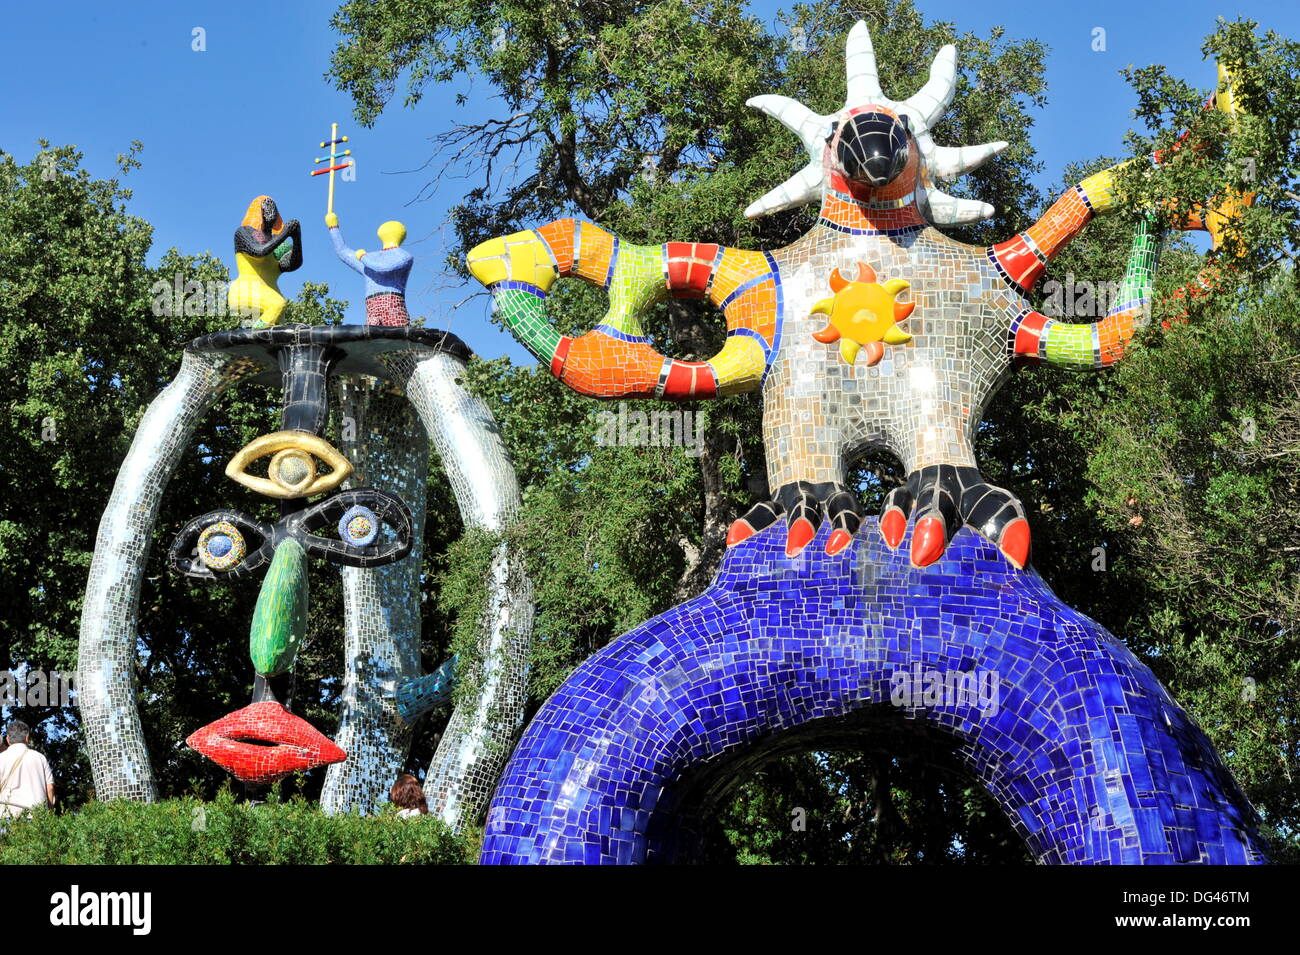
863, 314
265, 246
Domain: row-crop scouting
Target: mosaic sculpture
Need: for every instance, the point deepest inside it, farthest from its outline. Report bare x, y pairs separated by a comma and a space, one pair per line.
872, 330
385, 272
265, 246
395, 389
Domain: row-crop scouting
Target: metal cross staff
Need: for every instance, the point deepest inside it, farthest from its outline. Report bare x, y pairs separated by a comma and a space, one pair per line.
333, 144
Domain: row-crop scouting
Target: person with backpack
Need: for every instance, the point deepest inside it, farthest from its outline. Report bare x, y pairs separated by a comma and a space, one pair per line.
25, 778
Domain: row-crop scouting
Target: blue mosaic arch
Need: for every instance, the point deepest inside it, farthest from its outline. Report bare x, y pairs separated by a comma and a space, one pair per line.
1087, 754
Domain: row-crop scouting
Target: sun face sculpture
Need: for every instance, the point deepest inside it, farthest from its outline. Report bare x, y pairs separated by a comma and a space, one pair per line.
876, 149
791, 639
875, 169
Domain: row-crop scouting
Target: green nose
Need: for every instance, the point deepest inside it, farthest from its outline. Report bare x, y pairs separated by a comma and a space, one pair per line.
280, 618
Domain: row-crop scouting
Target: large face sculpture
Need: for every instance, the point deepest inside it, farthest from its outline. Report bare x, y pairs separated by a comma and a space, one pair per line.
355, 498
360, 527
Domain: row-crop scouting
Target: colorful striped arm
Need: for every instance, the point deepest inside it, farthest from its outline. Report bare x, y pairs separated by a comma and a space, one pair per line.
1022, 259
615, 359
1035, 339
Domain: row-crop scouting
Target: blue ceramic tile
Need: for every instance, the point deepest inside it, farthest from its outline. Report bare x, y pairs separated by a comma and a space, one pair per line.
1086, 754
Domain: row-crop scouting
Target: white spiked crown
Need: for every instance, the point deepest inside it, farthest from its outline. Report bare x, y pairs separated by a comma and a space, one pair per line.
923, 108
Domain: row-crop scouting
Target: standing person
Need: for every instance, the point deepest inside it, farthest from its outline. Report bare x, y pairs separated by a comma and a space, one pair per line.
385, 271
25, 779
408, 797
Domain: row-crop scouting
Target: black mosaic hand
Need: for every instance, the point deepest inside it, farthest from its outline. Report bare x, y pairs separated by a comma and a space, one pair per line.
804, 505
942, 498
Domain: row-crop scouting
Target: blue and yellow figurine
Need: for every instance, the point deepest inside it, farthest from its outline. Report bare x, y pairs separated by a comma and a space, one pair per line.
385, 271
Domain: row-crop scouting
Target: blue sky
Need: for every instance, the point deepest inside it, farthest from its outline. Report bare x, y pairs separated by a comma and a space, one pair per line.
245, 116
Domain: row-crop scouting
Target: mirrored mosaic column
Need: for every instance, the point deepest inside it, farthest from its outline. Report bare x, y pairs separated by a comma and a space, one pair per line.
107, 651
380, 435
478, 740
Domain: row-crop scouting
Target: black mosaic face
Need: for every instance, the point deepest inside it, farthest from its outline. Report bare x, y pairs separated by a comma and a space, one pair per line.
362, 527
228, 545
873, 148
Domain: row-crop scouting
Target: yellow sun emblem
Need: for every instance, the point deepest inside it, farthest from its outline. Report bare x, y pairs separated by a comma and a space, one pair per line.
862, 314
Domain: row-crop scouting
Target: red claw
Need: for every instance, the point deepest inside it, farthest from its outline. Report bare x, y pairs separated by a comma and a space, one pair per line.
892, 527
1015, 542
838, 541
928, 541
740, 530
801, 532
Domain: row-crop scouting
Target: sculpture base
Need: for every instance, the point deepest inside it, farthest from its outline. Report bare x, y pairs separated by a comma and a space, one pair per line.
1087, 754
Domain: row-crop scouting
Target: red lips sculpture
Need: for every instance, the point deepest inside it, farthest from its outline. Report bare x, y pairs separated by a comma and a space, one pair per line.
264, 742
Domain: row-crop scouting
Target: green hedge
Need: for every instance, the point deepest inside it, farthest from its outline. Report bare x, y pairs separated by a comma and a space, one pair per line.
189, 831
